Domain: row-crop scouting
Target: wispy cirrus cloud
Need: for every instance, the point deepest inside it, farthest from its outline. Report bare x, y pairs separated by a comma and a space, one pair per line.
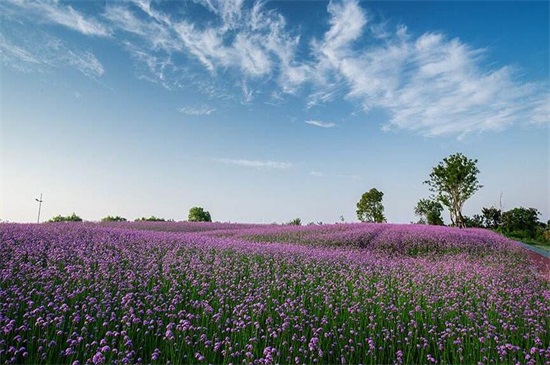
85, 62
152, 67
197, 110
37, 49
51, 53
156, 30
64, 15
16, 56
255, 163
321, 124
241, 37
430, 84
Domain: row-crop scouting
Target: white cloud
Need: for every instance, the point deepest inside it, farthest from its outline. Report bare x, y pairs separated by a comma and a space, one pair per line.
430, 85
229, 11
316, 173
253, 60
347, 22
152, 67
248, 39
145, 6
447, 91
256, 163
67, 16
85, 62
247, 93
207, 46
197, 110
541, 112
47, 54
318, 123
16, 56
157, 35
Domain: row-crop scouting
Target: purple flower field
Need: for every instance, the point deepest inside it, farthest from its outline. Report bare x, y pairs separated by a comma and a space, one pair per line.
210, 293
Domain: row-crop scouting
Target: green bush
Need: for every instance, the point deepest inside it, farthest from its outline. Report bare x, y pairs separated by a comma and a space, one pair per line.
295, 222
113, 219
475, 221
521, 222
69, 218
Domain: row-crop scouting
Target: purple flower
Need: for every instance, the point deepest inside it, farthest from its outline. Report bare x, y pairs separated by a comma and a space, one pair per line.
98, 358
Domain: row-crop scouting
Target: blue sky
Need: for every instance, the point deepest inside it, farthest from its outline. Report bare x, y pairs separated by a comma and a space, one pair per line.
267, 111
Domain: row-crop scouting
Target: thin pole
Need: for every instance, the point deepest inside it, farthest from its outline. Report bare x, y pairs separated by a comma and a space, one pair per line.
39, 207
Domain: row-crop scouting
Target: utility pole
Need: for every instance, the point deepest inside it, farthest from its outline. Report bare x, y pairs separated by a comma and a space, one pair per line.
39, 207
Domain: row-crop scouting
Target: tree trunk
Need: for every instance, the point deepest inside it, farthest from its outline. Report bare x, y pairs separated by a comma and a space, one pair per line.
460, 220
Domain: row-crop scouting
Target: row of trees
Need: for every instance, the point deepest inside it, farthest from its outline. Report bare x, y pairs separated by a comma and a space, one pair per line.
196, 214
518, 222
452, 182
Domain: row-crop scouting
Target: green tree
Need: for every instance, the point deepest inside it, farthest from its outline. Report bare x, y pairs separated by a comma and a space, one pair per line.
453, 181
475, 221
113, 219
521, 222
492, 217
70, 218
429, 212
198, 214
370, 208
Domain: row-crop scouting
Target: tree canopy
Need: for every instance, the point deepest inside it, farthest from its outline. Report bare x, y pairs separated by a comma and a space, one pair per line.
492, 217
370, 208
453, 181
521, 221
198, 214
70, 218
429, 212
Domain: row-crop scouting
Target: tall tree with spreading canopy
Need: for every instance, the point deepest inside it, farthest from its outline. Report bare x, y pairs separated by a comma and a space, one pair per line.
198, 214
429, 212
370, 208
453, 181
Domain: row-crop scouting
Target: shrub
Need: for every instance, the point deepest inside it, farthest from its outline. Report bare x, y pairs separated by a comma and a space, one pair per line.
150, 219
295, 222
70, 218
113, 219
